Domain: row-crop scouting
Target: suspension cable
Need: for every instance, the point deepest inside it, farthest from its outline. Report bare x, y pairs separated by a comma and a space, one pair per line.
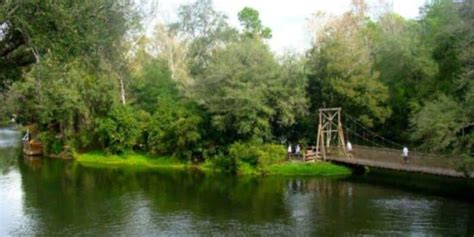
363, 138
372, 133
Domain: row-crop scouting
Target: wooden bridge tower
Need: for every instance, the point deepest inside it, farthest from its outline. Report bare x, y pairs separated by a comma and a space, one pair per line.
329, 127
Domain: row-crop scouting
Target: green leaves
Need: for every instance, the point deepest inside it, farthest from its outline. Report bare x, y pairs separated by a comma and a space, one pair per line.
200, 85
66, 30
175, 129
438, 123
342, 71
152, 84
119, 131
250, 20
175, 124
245, 90
446, 122
257, 155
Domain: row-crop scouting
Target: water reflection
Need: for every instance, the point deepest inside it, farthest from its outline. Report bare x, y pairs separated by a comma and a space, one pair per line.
9, 137
9, 149
64, 198
54, 197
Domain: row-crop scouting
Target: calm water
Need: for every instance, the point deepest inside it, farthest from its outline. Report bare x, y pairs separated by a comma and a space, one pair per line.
58, 198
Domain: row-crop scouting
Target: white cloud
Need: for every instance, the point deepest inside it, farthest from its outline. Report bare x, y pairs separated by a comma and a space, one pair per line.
287, 19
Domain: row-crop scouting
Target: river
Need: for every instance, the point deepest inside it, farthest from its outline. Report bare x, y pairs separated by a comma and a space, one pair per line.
50, 197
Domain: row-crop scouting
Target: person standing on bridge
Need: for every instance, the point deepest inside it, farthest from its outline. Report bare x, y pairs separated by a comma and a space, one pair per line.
349, 148
289, 151
405, 154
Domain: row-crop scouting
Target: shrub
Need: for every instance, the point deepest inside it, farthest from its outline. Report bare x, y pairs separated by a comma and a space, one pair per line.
51, 143
256, 154
225, 164
120, 130
466, 165
175, 130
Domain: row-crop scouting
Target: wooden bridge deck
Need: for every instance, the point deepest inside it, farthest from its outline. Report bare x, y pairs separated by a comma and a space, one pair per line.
400, 167
391, 159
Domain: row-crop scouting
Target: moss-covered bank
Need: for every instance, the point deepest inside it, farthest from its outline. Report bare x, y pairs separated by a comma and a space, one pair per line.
309, 169
100, 159
140, 161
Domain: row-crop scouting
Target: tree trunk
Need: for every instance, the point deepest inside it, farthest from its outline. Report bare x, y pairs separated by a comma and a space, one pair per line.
122, 90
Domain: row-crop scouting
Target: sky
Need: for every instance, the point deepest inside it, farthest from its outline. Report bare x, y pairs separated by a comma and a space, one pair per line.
287, 18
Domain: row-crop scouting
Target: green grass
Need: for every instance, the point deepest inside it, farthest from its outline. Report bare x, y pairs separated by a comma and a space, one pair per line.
131, 160
140, 161
308, 169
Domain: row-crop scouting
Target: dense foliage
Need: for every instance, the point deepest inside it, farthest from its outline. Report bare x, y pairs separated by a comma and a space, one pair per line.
198, 88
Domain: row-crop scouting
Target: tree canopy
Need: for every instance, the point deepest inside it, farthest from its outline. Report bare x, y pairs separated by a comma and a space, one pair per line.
89, 76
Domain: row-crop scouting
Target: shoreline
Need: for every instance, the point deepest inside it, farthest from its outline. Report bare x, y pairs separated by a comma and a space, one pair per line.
140, 161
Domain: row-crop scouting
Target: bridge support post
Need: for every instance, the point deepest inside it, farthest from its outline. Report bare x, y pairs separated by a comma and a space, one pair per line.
329, 127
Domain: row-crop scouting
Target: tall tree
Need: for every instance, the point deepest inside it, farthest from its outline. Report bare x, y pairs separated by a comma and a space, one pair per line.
244, 91
406, 67
341, 69
204, 29
440, 22
167, 46
31, 29
249, 19
447, 123
78, 70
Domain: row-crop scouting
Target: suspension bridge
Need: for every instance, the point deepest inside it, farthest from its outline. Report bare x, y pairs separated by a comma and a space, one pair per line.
372, 150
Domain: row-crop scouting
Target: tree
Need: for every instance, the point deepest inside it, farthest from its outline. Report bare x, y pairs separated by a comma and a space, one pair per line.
204, 30
175, 130
31, 29
290, 100
342, 72
437, 123
244, 91
174, 127
71, 58
440, 23
406, 68
447, 123
152, 84
250, 20
466, 47
119, 130
63, 99
168, 46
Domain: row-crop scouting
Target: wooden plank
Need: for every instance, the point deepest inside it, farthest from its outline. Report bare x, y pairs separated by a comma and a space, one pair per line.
330, 109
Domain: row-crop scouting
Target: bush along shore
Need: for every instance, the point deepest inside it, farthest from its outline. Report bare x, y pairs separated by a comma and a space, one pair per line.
214, 165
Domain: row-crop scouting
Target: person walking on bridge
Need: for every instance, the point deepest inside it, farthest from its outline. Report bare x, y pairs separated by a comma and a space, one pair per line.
297, 150
289, 151
405, 154
349, 149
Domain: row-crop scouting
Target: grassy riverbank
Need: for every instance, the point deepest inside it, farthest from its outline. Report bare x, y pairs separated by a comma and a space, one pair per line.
309, 169
131, 160
140, 161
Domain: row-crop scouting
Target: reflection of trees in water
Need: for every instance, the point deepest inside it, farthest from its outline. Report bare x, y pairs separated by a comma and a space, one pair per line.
63, 196
9, 149
324, 207
319, 205
33, 162
8, 159
66, 194
57, 197
9, 138
246, 199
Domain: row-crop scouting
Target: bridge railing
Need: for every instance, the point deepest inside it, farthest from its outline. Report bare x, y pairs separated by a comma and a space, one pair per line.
413, 153
395, 156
